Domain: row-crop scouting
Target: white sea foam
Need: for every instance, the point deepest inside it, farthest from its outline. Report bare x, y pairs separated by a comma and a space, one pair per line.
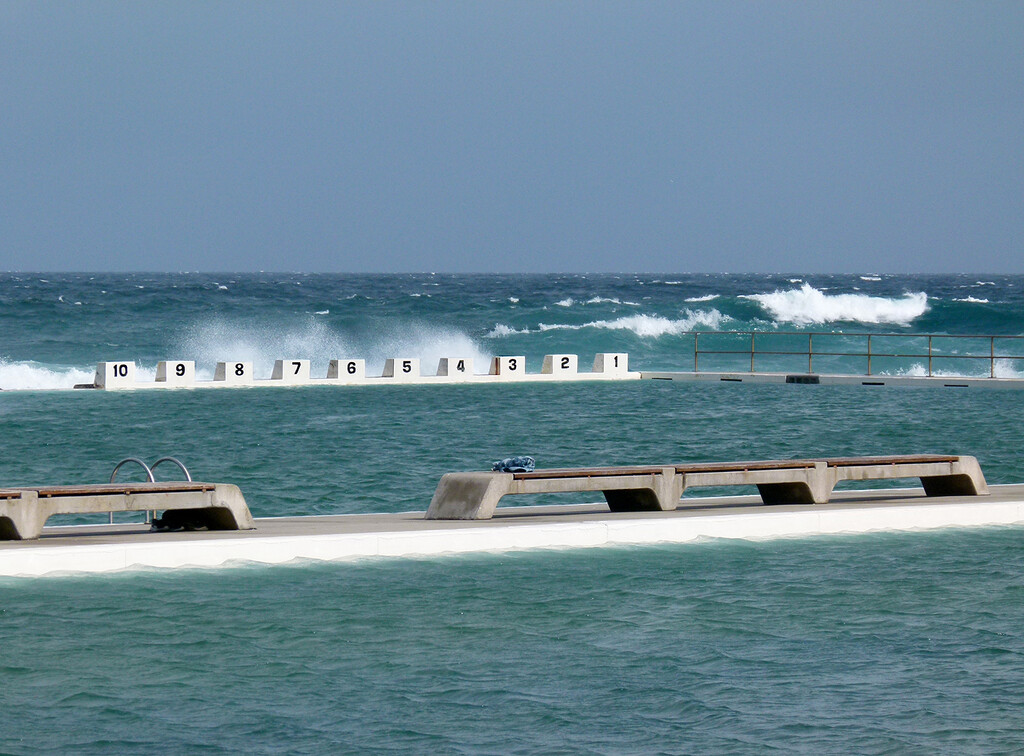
567, 302
1001, 369
808, 305
649, 326
870, 278
514, 300
973, 300
500, 330
705, 298
218, 341
32, 375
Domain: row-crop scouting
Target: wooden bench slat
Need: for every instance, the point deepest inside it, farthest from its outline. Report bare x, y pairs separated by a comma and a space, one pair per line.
101, 489
901, 459
769, 464
595, 472
586, 472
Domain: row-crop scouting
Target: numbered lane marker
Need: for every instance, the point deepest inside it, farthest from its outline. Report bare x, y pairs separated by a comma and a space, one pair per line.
562, 365
347, 371
291, 371
401, 369
115, 375
456, 368
611, 363
509, 367
176, 372
236, 373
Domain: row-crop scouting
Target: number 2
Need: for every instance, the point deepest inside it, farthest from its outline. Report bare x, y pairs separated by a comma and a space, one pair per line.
565, 363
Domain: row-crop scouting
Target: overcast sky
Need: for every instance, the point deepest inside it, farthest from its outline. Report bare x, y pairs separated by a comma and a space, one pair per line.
512, 136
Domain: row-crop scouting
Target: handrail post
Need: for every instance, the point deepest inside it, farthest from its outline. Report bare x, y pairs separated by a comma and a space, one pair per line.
810, 352
992, 357
869, 354
929, 356
751, 351
696, 351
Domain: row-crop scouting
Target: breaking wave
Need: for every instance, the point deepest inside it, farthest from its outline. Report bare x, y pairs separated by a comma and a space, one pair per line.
1002, 369
808, 305
213, 342
33, 376
649, 326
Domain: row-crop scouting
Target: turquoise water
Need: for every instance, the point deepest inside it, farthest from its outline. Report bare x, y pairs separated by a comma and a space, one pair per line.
894, 643
869, 644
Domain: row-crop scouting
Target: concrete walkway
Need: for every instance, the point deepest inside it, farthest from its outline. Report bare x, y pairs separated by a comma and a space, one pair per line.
831, 379
105, 548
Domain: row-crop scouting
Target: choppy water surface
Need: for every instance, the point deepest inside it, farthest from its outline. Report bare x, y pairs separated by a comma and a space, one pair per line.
907, 643
869, 644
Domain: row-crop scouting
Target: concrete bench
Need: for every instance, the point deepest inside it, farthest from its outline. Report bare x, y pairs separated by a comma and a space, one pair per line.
475, 495
217, 506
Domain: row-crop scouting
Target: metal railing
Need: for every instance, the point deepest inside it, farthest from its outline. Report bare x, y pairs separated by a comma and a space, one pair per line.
931, 347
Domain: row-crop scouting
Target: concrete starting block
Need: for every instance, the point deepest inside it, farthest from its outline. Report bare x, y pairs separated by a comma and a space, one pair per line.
509, 367
560, 365
347, 371
180, 373
611, 363
398, 369
291, 371
456, 368
475, 495
216, 506
115, 375
234, 373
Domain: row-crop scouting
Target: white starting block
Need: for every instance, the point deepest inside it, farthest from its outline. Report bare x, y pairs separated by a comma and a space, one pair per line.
115, 375
234, 373
509, 367
401, 369
347, 371
560, 365
611, 363
291, 371
456, 368
176, 373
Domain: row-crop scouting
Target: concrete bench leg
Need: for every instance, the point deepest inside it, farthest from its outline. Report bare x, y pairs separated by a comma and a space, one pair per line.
787, 493
468, 496
969, 481
23, 518
227, 511
816, 488
663, 496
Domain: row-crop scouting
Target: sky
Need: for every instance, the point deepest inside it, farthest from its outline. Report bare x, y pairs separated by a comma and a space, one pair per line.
376, 136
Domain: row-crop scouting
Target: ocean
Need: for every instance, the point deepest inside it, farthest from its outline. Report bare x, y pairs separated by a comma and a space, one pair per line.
876, 643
